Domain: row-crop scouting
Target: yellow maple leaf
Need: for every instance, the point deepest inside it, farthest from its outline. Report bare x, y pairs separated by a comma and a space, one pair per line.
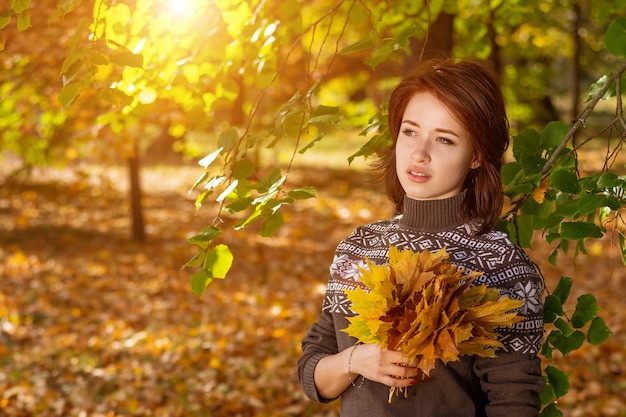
539, 193
430, 310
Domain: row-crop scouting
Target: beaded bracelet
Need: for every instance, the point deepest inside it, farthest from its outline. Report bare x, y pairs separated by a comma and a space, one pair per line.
349, 377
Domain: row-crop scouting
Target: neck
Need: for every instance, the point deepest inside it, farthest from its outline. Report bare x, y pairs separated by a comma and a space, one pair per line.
433, 215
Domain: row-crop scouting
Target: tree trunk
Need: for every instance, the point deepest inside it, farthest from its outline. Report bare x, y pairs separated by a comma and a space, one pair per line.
438, 43
495, 58
577, 73
138, 232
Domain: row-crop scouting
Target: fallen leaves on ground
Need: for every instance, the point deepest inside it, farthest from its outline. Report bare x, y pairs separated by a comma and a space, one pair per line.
92, 324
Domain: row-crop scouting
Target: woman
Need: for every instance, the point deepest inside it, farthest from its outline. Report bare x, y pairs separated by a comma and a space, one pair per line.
449, 130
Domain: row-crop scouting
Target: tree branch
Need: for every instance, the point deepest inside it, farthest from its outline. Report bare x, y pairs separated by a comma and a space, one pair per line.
580, 120
619, 108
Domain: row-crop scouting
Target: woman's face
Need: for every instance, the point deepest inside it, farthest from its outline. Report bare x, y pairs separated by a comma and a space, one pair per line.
433, 151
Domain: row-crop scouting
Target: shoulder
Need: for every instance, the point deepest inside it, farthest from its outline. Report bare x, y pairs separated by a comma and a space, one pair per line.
379, 226
512, 251
492, 253
368, 241
506, 264
370, 234
500, 244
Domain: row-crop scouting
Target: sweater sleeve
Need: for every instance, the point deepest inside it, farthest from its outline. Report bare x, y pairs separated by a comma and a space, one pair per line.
512, 382
319, 342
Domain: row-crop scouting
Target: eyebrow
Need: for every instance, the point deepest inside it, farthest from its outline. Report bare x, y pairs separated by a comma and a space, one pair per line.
448, 131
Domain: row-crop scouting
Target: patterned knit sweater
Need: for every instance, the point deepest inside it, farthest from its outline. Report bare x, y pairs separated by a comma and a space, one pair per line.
507, 385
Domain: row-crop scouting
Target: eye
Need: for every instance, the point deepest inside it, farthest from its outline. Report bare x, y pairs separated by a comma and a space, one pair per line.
444, 140
409, 132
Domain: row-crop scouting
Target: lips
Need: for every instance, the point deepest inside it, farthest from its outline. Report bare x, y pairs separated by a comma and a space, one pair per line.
417, 174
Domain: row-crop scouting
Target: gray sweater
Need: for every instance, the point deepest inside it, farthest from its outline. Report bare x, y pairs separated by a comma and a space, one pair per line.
507, 385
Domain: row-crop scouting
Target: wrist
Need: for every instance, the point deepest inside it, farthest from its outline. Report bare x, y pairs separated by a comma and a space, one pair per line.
353, 377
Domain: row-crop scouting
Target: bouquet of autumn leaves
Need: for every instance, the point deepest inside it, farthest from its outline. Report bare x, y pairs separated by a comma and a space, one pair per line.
423, 306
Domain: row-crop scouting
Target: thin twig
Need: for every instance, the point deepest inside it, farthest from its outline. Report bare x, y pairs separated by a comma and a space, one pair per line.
619, 109
580, 120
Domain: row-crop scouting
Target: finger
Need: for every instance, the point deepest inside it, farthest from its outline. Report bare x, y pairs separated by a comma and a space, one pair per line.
394, 381
406, 372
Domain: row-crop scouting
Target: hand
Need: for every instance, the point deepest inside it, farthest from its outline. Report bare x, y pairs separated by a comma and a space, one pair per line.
386, 366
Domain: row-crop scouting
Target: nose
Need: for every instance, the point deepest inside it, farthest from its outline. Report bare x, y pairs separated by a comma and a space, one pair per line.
420, 151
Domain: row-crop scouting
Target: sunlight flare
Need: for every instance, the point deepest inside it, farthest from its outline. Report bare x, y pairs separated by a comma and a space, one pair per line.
180, 7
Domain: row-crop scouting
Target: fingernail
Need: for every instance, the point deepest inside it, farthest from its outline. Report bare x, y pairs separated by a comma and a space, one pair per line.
413, 382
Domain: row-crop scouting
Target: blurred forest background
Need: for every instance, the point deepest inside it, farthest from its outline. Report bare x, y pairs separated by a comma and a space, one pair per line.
107, 108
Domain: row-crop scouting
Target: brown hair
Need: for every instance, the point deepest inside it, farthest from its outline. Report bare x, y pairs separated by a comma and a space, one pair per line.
470, 92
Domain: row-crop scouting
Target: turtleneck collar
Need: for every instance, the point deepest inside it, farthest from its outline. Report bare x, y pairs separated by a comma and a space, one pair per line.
433, 215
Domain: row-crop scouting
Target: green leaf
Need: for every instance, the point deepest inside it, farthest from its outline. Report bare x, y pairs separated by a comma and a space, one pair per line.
609, 180
522, 233
562, 290
272, 224
357, 46
510, 172
547, 350
202, 178
558, 379
374, 146
546, 395
564, 327
219, 261
325, 114
66, 6
302, 193
214, 182
532, 164
228, 139
587, 308
551, 410
539, 211
68, 94
257, 213
196, 260
19, 6
116, 97
528, 151
527, 142
127, 59
615, 37
565, 181
208, 160
200, 281
71, 64
206, 236
552, 308
552, 135
567, 344
596, 87
554, 256
201, 199
5, 19
579, 230
566, 206
598, 331
243, 169
271, 181
23, 21
312, 143
590, 203
231, 187
239, 204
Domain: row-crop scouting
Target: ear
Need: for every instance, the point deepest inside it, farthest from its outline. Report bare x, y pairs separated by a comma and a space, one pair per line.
475, 164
